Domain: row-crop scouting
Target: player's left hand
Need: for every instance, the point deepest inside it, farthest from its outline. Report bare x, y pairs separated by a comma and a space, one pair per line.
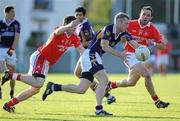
10, 51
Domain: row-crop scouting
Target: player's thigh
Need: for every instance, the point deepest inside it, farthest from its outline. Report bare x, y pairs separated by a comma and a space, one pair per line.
101, 75
78, 70
133, 76
84, 84
141, 69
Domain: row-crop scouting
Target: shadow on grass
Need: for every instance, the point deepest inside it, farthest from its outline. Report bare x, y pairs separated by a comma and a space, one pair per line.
123, 116
138, 117
35, 119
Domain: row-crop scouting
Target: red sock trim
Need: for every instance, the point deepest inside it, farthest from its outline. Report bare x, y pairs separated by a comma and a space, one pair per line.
113, 85
155, 98
13, 102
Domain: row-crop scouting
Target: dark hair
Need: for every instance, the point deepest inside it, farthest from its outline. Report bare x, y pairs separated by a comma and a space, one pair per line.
68, 19
7, 9
81, 9
147, 8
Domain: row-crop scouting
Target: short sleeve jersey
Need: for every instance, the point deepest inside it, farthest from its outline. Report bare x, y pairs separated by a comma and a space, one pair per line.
107, 34
7, 32
56, 45
86, 28
142, 34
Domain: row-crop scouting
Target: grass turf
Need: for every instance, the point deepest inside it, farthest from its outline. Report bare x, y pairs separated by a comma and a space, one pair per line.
132, 103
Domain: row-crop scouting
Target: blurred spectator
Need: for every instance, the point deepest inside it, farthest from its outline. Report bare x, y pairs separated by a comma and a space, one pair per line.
163, 57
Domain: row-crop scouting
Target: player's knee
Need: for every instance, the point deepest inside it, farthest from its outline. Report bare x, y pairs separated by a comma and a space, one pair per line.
147, 77
39, 83
131, 83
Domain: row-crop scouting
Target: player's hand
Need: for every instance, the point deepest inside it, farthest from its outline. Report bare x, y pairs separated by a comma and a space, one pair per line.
74, 23
126, 37
10, 51
123, 55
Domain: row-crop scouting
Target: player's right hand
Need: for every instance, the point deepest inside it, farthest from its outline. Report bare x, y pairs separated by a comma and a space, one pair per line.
10, 51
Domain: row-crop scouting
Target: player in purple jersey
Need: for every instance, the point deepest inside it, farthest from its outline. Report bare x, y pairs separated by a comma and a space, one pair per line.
86, 33
91, 62
9, 37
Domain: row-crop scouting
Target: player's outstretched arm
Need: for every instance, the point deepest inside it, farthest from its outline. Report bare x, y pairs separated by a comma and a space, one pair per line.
160, 45
64, 28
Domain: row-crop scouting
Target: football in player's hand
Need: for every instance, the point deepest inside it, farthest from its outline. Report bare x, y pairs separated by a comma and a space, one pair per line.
142, 53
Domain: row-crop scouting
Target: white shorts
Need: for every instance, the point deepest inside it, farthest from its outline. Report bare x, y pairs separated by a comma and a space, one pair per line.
38, 64
91, 62
152, 59
11, 60
163, 59
131, 60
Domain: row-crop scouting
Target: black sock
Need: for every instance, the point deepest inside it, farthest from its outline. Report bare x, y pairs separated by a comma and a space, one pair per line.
11, 93
57, 87
99, 107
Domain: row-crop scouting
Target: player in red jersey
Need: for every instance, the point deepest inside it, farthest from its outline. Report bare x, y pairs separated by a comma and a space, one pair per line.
145, 33
163, 57
46, 55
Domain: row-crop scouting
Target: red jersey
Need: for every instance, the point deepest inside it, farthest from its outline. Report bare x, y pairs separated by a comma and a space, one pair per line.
142, 34
57, 45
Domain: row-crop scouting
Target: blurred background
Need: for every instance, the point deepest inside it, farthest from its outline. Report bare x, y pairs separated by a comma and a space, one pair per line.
38, 18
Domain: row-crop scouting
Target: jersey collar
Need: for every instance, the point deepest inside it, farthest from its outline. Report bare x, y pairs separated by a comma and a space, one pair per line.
68, 36
4, 21
114, 31
84, 21
148, 25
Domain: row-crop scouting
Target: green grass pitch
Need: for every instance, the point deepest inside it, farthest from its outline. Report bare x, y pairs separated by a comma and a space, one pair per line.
132, 103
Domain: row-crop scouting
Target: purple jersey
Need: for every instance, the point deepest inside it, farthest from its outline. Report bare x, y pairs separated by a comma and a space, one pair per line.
108, 33
86, 28
7, 32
